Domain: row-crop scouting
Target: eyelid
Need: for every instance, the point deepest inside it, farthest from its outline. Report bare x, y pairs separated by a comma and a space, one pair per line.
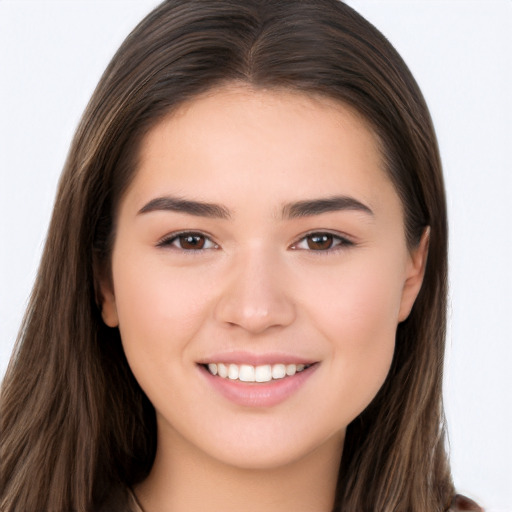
166, 241
344, 241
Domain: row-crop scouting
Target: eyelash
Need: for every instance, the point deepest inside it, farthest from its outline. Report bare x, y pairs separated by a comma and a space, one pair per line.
169, 241
337, 242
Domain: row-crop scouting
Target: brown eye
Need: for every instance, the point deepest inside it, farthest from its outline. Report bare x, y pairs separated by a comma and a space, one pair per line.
320, 242
191, 241
188, 241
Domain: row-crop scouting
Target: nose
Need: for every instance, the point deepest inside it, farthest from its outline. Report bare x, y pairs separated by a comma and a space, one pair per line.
256, 296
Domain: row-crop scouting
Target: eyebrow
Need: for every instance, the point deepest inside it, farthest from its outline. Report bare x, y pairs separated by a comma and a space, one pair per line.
196, 208
318, 206
293, 210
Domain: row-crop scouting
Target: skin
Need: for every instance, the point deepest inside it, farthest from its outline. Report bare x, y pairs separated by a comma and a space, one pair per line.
258, 286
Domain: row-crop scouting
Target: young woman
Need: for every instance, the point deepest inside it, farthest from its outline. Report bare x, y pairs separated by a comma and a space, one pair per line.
241, 303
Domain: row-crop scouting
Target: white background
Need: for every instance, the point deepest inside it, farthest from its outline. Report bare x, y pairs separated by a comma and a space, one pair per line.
52, 54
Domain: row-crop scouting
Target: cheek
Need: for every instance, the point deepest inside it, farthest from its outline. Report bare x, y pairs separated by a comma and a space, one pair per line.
358, 314
360, 299
159, 312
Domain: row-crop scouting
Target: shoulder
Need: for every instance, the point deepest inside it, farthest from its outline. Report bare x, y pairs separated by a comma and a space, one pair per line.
462, 504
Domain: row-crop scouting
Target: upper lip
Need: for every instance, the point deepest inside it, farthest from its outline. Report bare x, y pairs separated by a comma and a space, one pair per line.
243, 357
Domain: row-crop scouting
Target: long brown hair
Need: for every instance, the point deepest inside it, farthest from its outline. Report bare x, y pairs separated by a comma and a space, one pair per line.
77, 430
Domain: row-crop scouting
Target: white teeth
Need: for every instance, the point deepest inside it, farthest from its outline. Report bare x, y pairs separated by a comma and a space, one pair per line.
249, 373
246, 373
263, 373
222, 370
233, 371
291, 369
278, 371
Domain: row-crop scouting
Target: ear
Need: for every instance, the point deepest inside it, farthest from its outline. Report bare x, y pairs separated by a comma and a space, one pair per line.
414, 277
105, 297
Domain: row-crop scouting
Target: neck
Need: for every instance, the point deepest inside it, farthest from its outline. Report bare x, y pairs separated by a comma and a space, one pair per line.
184, 479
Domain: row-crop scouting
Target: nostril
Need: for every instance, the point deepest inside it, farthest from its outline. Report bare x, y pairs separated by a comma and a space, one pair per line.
254, 305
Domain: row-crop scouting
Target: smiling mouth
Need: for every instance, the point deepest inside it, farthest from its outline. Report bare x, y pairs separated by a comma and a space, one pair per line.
250, 373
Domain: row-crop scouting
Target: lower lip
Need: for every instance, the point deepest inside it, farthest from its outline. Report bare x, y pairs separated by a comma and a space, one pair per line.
264, 394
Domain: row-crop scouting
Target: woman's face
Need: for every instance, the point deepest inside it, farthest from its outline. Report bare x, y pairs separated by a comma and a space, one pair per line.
260, 238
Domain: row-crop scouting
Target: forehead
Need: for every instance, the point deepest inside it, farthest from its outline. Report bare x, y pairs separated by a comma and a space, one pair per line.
278, 143
240, 106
